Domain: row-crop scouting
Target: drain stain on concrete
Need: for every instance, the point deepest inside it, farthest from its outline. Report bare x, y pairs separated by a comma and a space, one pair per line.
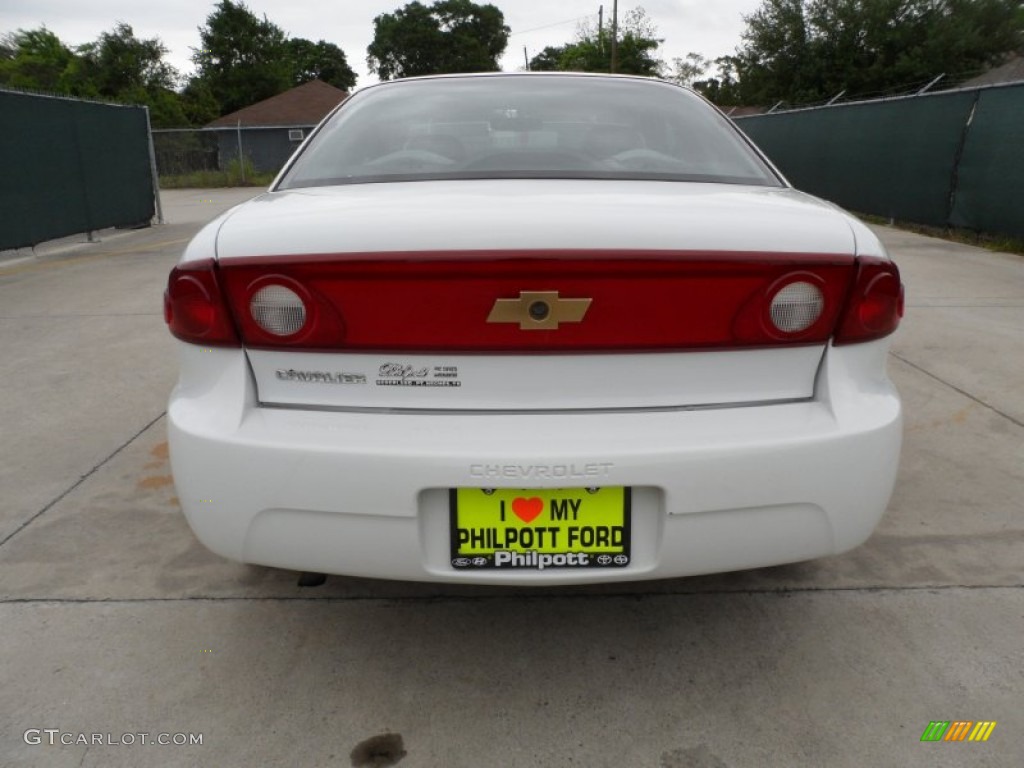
378, 751
154, 481
159, 451
958, 418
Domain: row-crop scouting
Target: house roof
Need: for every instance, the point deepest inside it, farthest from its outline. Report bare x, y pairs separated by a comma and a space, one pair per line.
305, 104
1010, 72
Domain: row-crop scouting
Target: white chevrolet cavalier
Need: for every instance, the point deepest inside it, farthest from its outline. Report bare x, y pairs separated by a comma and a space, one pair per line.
532, 329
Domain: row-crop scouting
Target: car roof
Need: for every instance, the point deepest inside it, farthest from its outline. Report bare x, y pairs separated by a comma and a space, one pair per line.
476, 75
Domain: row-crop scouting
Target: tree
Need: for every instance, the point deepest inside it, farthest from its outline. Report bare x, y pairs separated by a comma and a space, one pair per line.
119, 62
198, 103
117, 67
120, 67
689, 70
776, 51
548, 60
241, 59
808, 50
722, 89
319, 61
592, 49
35, 59
449, 36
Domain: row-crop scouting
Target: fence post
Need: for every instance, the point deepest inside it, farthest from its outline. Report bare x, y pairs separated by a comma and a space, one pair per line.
153, 171
928, 87
954, 181
241, 158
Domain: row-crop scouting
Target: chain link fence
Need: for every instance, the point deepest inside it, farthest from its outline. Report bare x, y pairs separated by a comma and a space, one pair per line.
947, 159
71, 166
180, 152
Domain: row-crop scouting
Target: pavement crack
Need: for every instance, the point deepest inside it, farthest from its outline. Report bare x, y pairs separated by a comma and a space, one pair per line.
81, 480
518, 596
963, 392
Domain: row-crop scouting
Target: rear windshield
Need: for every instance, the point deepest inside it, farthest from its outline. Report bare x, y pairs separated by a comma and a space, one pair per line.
523, 126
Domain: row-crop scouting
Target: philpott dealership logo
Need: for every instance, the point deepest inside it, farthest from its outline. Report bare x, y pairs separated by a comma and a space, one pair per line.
958, 730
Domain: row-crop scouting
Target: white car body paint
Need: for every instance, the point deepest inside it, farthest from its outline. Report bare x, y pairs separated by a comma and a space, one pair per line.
530, 214
366, 493
736, 458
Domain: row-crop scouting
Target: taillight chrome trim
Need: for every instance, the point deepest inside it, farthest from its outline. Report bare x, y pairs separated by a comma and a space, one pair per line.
407, 411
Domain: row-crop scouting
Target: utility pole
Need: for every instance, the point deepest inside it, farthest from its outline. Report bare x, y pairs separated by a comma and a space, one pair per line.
600, 28
526, 59
615, 35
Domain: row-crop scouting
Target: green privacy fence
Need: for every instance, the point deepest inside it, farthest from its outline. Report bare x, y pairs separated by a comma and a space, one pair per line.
70, 166
944, 159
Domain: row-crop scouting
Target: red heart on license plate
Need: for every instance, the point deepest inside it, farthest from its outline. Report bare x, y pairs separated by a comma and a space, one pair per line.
527, 509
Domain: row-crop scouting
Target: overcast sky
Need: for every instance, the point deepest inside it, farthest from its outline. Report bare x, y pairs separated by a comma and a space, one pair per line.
709, 27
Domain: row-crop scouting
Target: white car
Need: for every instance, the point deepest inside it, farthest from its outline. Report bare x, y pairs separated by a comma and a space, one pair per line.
532, 329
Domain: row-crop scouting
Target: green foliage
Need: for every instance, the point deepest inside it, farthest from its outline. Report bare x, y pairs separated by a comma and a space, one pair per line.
722, 89
198, 103
807, 50
688, 70
237, 174
35, 59
319, 61
119, 62
997, 243
123, 68
116, 67
449, 36
166, 109
548, 60
592, 49
241, 59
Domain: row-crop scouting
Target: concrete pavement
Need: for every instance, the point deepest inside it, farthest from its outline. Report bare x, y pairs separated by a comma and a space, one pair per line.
114, 620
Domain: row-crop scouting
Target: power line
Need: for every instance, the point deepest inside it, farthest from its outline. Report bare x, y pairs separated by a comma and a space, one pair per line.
556, 24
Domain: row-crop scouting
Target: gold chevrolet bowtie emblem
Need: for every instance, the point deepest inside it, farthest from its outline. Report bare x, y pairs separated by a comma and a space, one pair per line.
538, 310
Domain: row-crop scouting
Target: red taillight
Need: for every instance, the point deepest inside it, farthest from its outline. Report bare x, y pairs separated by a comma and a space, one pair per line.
652, 300
875, 305
434, 302
194, 306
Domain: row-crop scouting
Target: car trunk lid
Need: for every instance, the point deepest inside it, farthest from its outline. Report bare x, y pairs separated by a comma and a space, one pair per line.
684, 320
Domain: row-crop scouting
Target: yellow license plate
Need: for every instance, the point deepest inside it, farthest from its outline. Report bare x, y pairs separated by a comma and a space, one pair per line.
533, 528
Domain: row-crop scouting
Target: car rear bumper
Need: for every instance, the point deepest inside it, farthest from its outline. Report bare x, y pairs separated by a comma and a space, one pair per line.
366, 493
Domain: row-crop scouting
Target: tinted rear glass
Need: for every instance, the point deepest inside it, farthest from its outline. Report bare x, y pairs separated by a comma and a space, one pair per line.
522, 126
